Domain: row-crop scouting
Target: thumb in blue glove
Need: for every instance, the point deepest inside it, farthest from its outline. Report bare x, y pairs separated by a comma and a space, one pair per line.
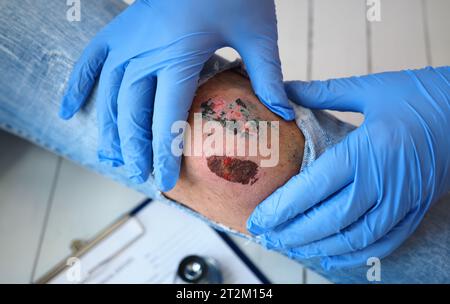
365, 196
149, 59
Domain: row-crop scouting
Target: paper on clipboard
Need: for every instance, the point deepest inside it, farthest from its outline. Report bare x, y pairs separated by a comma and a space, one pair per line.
147, 248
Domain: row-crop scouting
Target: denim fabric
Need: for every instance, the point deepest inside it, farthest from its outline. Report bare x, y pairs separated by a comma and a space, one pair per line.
38, 48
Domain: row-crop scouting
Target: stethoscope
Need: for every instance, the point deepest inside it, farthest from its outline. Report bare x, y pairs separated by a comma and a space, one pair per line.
195, 269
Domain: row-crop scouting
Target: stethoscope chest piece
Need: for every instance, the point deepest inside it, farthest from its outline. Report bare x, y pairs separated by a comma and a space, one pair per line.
199, 270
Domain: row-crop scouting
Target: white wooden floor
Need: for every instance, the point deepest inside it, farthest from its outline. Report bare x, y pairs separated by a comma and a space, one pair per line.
45, 201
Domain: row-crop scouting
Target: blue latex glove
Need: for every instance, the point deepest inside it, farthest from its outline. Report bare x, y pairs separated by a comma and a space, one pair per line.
149, 59
366, 195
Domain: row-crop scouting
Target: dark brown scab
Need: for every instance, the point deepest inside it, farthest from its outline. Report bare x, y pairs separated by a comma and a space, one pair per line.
233, 170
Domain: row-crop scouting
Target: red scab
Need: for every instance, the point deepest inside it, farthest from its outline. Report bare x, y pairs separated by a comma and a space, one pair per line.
227, 161
226, 176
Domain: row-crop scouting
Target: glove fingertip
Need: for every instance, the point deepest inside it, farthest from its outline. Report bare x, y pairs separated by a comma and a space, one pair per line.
165, 184
277, 103
109, 160
286, 113
137, 179
64, 113
138, 172
166, 177
254, 229
69, 106
327, 263
304, 93
269, 244
166, 169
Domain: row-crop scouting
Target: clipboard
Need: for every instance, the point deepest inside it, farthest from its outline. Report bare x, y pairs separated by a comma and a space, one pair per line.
152, 237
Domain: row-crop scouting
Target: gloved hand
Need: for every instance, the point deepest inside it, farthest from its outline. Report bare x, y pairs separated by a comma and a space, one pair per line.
366, 195
150, 58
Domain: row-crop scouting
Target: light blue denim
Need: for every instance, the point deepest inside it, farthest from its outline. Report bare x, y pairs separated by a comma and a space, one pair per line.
38, 48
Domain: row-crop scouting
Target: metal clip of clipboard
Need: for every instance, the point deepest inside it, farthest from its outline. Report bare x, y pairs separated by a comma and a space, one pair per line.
81, 248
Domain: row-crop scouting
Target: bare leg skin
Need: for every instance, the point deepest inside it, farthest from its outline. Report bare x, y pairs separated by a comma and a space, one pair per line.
226, 188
